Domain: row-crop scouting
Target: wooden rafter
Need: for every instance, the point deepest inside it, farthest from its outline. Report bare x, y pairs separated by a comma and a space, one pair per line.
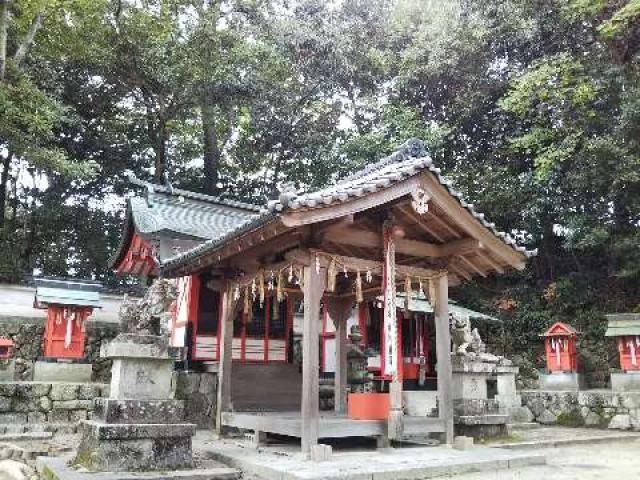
414, 248
420, 223
472, 266
441, 223
489, 261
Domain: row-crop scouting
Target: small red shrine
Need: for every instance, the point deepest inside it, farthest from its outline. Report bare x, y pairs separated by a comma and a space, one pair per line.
626, 328
69, 304
560, 348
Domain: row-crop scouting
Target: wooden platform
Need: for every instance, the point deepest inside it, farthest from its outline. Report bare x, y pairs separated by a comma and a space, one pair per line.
330, 425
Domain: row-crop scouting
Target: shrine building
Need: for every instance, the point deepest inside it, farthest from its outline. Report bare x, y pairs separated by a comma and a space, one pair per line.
394, 232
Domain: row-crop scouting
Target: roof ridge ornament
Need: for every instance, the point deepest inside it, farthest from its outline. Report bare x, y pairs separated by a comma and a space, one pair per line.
414, 147
288, 192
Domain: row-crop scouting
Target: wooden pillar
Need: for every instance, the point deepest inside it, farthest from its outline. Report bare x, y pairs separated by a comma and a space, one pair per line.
391, 363
340, 310
314, 285
229, 311
443, 351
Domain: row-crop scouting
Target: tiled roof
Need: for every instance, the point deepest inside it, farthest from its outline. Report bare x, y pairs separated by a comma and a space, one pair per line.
186, 213
410, 159
180, 213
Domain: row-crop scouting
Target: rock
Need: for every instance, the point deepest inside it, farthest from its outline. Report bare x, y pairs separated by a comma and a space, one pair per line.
88, 392
7, 389
64, 391
547, 418
73, 405
45, 404
5, 404
77, 415
537, 406
521, 415
620, 422
59, 416
14, 470
592, 419
36, 417
13, 418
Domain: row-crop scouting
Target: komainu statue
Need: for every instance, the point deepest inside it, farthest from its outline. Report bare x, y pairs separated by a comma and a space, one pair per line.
149, 315
460, 334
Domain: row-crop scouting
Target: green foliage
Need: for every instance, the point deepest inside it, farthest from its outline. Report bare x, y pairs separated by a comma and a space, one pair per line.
622, 20
571, 418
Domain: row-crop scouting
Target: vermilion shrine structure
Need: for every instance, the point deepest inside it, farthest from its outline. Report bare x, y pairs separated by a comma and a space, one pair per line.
625, 328
397, 224
562, 358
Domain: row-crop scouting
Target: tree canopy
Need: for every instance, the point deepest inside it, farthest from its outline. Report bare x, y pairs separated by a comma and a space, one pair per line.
531, 107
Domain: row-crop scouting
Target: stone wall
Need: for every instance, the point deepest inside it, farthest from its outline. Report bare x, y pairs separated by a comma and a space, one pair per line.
199, 391
37, 403
591, 408
27, 335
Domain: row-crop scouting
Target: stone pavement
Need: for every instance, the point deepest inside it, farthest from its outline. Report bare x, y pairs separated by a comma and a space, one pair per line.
286, 463
619, 460
554, 436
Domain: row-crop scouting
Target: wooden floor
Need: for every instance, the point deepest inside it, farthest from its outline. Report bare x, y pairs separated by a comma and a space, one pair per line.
331, 425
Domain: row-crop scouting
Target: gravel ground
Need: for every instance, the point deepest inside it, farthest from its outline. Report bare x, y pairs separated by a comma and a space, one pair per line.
619, 460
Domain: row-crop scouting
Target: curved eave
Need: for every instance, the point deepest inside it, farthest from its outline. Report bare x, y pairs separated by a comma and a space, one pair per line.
125, 240
216, 250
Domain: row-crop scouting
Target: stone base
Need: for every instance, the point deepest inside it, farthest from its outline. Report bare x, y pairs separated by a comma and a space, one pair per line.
481, 426
113, 411
562, 381
7, 370
58, 468
134, 447
625, 382
62, 372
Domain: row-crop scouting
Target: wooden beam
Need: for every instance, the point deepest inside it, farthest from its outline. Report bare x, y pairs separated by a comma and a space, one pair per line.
442, 224
443, 352
307, 257
228, 313
340, 310
418, 221
460, 271
471, 225
314, 285
471, 265
489, 261
414, 248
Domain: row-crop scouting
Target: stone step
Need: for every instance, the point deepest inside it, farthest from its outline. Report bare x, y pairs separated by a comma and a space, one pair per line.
23, 428
57, 468
523, 426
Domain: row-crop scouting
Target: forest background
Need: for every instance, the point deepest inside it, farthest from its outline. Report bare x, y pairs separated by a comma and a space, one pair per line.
531, 107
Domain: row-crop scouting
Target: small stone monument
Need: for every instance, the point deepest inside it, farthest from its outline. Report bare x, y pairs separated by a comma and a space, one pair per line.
139, 427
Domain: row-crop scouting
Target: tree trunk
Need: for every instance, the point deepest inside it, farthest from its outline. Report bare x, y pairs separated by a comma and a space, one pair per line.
211, 153
160, 148
4, 22
21, 52
4, 180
